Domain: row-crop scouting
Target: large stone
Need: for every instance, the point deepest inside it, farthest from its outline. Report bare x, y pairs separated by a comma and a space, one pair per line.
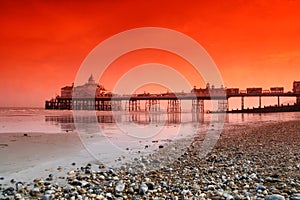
260, 187
47, 197
295, 196
275, 197
143, 189
34, 192
150, 185
17, 196
119, 187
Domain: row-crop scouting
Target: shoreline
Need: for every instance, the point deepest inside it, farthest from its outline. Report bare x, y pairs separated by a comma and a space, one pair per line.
246, 162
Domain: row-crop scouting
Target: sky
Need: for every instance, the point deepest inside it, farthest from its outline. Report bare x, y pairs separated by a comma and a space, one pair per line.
44, 43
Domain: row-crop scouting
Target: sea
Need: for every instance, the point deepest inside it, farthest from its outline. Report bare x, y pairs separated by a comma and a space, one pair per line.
110, 136
24, 120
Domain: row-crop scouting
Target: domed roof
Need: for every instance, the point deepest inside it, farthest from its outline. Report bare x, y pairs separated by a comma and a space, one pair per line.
91, 80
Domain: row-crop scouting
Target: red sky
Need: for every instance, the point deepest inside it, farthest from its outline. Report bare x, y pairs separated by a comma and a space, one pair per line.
43, 43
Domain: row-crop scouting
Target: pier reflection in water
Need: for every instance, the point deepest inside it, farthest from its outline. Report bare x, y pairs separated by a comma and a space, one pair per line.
146, 118
67, 122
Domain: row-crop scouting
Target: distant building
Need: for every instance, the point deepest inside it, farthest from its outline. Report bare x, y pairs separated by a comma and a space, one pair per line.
254, 90
66, 92
209, 90
89, 90
277, 89
232, 91
199, 90
296, 90
296, 87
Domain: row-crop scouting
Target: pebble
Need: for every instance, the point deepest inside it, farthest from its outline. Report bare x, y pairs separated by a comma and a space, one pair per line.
119, 187
18, 196
71, 172
261, 187
34, 192
246, 186
108, 195
101, 177
275, 197
295, 196
143, 189
130, 190
47, 197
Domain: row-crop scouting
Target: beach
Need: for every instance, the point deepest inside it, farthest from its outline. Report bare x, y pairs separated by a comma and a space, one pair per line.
24, 155
259, 161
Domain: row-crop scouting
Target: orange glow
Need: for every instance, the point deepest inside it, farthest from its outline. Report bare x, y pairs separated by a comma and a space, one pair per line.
253, 43
130, 60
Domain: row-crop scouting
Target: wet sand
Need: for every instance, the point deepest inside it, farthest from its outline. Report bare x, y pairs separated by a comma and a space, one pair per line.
25, 155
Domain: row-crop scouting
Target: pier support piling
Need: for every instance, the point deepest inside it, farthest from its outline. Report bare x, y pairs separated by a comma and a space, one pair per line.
198, 106
259, 101
242, 103
116, 105
152, 105
173, 106
134, 105
222, 105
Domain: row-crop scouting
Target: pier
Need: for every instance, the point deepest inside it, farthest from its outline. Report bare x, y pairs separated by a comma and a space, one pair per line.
72, 98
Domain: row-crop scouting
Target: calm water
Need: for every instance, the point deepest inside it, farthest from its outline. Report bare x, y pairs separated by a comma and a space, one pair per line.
125, 129
61, 121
